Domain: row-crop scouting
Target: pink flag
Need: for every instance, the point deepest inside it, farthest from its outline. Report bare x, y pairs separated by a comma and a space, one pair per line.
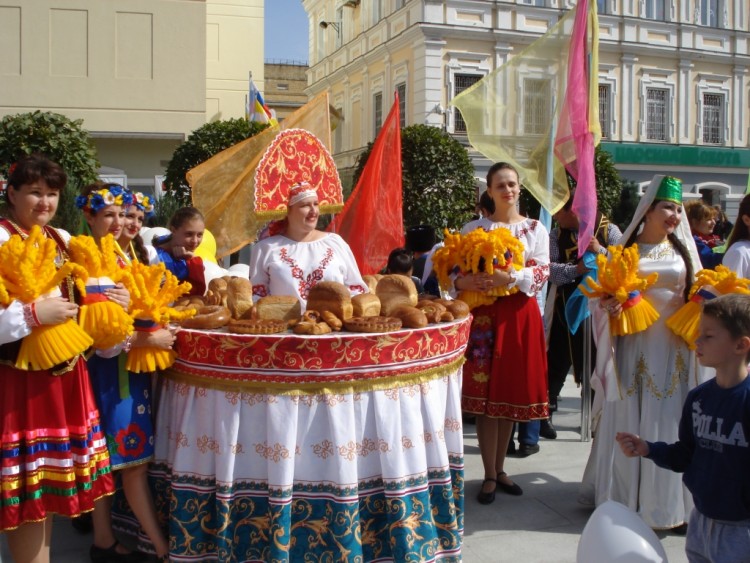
574, 142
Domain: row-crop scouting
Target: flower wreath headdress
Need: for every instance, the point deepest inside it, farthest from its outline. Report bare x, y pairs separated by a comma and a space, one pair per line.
143, 203
110, 194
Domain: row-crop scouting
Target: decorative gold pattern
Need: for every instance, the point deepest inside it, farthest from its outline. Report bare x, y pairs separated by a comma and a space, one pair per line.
643, 379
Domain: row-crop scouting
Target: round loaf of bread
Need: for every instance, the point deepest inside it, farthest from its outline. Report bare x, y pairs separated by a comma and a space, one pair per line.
331, 296
396, 291
411, 317
459, 309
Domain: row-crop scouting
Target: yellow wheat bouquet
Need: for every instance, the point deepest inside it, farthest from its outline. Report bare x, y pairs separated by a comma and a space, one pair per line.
152, 290
27, 273
106, 322
475, 252
708, 284
618, 277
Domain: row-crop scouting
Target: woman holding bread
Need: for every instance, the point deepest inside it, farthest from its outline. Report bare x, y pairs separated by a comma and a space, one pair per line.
505, 375
54, 457
297, 255
123, 397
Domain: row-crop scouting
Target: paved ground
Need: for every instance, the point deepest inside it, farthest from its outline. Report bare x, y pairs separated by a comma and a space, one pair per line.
542, 526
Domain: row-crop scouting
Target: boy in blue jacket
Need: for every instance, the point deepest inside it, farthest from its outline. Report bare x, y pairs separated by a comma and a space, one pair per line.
713, 449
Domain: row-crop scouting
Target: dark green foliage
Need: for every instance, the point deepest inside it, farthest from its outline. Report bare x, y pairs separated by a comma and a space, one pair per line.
63, 141
608, 186
164, 208
438, 178
202, 144
623, 212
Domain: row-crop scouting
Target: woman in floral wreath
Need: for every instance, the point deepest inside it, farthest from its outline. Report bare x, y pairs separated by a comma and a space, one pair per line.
54, 457
296, 255
130, 240
505, 375
642, 379
124, 398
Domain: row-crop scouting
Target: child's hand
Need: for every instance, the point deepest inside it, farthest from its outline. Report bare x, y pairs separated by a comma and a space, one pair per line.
631, 445
180, 252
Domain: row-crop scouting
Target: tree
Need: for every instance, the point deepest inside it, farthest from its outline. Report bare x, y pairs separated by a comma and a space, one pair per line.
63, 141
202, 144
608, 186
623, 212
438, 178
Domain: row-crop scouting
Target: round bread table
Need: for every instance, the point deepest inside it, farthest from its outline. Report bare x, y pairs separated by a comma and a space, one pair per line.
341, 447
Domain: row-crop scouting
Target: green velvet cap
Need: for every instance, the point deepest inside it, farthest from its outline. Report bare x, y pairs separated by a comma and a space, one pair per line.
670, 189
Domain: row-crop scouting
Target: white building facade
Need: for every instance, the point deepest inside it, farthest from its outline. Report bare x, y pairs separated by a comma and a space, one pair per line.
673, 74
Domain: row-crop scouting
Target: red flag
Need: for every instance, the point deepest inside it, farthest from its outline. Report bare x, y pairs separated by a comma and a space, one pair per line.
372, 218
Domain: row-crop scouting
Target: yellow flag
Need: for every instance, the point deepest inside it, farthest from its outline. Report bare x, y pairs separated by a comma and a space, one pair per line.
223, 187
511, 114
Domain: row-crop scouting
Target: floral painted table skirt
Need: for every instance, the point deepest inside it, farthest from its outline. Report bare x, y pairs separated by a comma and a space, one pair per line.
343, 447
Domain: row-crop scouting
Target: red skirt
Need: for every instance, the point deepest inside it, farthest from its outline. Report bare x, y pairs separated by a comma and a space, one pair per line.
505, 374
53, 453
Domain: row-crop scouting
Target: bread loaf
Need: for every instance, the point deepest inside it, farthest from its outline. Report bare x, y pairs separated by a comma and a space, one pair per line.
396, 291
239, 296
366, 305
432, 309
331, 296
371, 281
411, 317
459, 309
279, 307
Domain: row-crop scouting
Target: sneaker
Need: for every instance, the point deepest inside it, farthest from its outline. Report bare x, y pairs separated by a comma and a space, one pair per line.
546, 430
525, 450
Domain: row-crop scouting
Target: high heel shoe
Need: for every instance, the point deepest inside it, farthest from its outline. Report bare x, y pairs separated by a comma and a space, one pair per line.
487, 498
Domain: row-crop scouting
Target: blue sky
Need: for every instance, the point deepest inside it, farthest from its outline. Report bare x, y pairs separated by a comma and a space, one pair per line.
285, 30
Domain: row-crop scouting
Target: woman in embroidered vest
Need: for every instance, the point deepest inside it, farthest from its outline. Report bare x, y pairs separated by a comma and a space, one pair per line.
123, 398
644, 385
297, 255
130, 240
505, 375
54, 456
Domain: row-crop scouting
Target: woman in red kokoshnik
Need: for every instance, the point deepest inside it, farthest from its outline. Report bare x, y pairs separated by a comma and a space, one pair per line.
54, 456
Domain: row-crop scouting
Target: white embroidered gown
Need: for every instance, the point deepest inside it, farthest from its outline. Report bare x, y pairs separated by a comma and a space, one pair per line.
654, 370
282, 266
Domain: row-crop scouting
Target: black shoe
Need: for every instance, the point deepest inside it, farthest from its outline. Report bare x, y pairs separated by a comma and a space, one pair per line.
487, 498
111, 555
546, 430
511, 449
83, 524
525, 450
511, 489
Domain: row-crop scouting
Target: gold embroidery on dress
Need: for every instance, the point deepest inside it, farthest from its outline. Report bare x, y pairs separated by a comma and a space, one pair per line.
643, 379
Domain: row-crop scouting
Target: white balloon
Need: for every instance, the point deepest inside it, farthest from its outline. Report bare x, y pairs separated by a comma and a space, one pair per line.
149, 234
212, 271
240, 270
616, 533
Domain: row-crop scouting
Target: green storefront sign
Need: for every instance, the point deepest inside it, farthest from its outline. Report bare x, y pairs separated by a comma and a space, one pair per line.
674, 155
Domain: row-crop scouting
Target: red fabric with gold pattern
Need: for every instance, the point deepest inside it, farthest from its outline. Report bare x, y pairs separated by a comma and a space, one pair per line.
296, 360
295, 156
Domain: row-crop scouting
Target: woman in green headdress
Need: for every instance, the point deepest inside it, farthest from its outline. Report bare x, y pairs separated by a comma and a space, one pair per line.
642, 379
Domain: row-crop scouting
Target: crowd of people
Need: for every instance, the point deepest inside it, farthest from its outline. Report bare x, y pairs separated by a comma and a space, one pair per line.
68, 431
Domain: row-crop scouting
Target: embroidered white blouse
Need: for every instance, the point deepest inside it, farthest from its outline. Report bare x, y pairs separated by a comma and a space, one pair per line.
282, 266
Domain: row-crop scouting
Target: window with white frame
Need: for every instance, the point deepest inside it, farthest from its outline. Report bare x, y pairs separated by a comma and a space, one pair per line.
460, 83
377, 112
536, 105
709, 11
377, 11
605, 109
713, 118
540, 3
401, 89
321, 43
602, 6
657, 114
654, 10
